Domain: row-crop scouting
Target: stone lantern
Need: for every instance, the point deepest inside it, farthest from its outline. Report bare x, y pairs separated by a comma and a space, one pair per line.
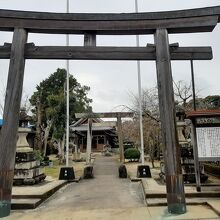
27, 168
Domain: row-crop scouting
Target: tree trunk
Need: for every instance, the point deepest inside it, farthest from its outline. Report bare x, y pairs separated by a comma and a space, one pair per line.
152, 150
46, 135
38, 138
61, 152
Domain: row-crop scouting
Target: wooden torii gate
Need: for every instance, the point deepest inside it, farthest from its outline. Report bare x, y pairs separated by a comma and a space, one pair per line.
160, 24
119, 116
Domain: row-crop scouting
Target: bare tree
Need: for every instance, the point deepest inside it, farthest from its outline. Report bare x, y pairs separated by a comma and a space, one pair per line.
183, 92
151, 122
25, 104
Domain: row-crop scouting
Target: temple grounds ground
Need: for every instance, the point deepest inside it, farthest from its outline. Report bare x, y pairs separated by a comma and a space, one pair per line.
108, 197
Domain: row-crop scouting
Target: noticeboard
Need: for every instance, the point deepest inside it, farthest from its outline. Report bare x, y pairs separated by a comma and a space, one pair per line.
208, 141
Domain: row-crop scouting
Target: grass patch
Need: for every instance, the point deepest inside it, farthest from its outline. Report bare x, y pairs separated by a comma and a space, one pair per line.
54, 171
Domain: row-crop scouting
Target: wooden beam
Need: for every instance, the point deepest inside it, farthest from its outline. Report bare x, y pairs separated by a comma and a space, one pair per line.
8, 135
107, 53
110, 24
196, 12
105, 115
174, 180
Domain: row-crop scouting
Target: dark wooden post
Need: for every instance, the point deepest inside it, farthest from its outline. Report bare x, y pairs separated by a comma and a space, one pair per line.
174, 180
194, 138
90, 40
120, 139
89, 142
195, 154
8, 135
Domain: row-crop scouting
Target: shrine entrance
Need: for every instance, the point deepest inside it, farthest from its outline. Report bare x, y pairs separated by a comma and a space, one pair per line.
160, 24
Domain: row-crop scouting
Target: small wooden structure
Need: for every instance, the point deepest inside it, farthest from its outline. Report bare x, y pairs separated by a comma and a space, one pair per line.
160, 24
119, 116
102, 133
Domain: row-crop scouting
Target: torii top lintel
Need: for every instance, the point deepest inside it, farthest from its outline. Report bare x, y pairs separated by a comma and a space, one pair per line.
105, 115
182, 21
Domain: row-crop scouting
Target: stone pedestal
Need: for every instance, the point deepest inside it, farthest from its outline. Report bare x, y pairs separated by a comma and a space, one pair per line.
180, 128
143, 171
27, 168
22, 144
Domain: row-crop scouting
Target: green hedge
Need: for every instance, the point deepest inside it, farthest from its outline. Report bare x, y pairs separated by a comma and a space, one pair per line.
128, 146
212, 169
132, 154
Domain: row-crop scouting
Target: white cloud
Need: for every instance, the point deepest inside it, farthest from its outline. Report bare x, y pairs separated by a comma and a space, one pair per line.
111, 81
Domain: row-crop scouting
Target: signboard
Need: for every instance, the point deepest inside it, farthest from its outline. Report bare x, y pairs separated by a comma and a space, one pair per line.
208, 141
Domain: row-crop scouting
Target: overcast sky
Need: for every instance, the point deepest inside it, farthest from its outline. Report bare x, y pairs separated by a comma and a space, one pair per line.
112, 81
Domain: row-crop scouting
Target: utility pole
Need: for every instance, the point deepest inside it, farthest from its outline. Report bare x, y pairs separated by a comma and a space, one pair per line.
140, 94
67, 96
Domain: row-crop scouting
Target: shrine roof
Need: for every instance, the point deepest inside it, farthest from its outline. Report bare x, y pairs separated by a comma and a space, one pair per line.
203, 113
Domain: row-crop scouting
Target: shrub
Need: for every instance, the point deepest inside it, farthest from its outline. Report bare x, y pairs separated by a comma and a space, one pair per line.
38, 155
127, 146
132, 154
212, 169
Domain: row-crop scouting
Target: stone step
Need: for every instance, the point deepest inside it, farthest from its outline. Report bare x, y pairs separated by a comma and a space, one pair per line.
208, 194
25, 203
163, 201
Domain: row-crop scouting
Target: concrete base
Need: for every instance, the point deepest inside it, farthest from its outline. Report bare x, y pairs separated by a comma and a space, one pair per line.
143, 171
122, 171
88, 172
67, 173
5, 208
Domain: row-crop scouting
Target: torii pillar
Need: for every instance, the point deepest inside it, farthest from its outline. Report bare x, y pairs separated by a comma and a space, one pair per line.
174, 179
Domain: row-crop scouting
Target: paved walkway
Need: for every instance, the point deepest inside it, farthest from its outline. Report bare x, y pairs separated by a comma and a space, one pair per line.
102, 197
106, 197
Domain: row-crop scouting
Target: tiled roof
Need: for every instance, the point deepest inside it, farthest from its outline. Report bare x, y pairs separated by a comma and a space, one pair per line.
203, 113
